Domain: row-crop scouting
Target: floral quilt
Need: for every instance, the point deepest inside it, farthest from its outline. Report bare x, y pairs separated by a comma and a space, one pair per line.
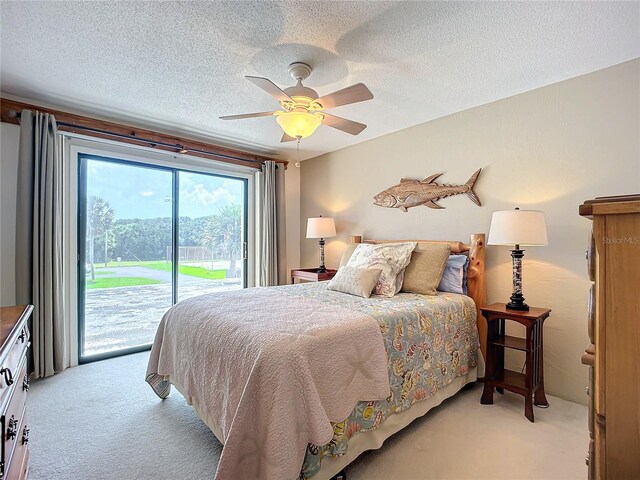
429, 340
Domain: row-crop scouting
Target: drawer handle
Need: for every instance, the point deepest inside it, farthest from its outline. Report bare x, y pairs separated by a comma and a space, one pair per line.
12, 429
25, 435
25, 383
8, 376
23, 336
587, 390
588, 359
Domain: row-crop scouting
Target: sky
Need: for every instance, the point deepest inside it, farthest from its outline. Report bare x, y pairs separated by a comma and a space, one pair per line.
139, 192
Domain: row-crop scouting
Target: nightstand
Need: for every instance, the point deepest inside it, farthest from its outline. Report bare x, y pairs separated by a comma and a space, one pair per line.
311, 275
531, 382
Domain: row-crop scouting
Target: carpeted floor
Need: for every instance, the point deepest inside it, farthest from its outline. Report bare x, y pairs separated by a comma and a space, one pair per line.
102, 421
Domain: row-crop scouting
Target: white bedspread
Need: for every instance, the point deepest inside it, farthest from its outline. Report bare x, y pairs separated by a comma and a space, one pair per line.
263, 364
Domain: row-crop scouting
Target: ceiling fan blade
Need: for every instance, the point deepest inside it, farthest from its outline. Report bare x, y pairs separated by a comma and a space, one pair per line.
353, 94
287, 138
270, 87
349, 126
247, 115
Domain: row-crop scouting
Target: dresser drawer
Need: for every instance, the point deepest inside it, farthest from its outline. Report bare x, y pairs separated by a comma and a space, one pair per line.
11, 419
591, 257
591, 313
591, 393
9, 367
19, 467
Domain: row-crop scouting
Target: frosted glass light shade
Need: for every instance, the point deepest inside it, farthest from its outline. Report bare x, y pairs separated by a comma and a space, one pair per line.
321, 227
299, 124
518, 227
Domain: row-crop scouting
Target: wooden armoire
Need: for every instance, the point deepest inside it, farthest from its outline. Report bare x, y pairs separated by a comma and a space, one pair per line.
613, 263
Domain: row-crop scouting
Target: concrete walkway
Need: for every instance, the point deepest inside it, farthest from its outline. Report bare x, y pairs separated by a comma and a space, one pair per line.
124, 317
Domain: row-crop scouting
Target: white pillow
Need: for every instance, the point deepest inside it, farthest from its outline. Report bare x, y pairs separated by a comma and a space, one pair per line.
355, 281
391, 258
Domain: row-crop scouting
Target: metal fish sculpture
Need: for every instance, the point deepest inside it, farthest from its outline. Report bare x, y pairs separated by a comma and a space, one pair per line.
411, 193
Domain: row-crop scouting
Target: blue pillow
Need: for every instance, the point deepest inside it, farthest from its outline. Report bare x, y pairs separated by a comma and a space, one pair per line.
454, 277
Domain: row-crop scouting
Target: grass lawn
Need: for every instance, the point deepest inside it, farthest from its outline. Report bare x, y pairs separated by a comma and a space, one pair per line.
199, 272
112, 282
188, 270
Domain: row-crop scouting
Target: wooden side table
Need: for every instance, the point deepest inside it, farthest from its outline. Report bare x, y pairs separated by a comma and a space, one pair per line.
311, 275
531, 383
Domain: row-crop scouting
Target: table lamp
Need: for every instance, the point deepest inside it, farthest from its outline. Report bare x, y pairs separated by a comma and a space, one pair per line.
520, 228
321, 227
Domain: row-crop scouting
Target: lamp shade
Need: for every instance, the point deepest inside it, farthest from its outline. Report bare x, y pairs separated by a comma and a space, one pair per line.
321, 227
518, 227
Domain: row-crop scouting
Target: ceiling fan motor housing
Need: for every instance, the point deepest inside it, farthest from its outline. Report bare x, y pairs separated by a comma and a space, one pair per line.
301, 91
300, 71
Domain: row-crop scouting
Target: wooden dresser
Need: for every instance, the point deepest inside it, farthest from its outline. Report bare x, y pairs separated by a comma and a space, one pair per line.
613, 259
14, 383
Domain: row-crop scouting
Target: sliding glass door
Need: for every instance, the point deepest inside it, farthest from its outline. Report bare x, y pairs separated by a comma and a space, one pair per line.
149, 236
211, 239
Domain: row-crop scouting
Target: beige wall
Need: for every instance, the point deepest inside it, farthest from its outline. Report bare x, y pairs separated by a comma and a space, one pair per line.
9, 140
547, 149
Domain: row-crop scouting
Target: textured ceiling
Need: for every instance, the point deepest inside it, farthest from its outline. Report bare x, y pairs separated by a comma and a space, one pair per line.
180, 65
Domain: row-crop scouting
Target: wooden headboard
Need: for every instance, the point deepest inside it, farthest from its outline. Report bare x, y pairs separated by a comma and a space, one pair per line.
475, 249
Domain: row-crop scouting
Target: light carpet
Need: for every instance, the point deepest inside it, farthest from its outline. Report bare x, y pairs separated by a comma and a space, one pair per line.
102, 421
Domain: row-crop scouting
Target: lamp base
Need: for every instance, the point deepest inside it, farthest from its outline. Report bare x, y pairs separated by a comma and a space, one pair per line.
523, 307
517, 299
321, 268
517, 303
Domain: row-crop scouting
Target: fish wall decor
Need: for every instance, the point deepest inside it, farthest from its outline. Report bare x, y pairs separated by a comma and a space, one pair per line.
411, 193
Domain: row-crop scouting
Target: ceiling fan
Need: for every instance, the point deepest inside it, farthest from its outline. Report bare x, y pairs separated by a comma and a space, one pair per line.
302, 110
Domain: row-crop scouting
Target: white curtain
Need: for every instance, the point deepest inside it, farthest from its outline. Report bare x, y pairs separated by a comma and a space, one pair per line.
271, 236
39, 240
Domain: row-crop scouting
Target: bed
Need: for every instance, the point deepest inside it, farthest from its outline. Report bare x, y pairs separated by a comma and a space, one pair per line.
296, 381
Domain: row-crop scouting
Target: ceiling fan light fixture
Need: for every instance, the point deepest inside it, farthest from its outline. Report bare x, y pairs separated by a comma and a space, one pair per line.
301, 106
299, 124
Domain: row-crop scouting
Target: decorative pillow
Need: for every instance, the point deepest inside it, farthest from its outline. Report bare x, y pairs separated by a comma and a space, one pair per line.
454, 277
355, 281
424, 272
347, 253
392, 258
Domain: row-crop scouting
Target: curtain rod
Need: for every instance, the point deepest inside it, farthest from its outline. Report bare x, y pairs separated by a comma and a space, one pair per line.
152, 143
